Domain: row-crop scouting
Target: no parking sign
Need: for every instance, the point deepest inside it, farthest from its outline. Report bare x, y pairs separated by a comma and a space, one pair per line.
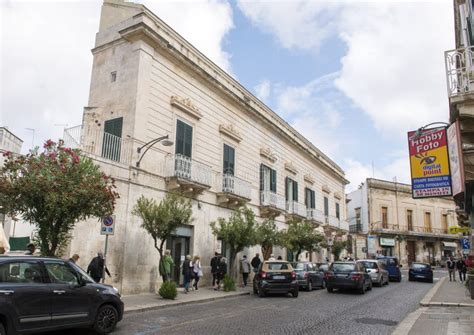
108, 225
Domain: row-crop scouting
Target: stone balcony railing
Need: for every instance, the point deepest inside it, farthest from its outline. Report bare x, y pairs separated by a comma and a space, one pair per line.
295, 208
459, 71
314, 214
234, 185
272, 199
188, 169
406, 230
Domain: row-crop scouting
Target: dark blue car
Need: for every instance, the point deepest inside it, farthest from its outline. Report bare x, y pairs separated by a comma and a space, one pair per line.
420, 271
393, 267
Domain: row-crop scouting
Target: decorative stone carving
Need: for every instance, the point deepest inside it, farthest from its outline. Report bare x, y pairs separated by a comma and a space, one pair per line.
326, 189
186, 105
309, 178
230, 131
268, 154
290, 167
337, 195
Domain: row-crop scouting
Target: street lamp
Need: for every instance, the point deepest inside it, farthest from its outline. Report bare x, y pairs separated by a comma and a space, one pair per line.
419, 131
164, 141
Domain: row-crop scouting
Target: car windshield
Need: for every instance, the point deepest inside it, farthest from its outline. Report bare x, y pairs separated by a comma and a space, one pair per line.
343, 267
323, 267
392, 261
370, 265
84, 275
277, 266
298, 266
419, 266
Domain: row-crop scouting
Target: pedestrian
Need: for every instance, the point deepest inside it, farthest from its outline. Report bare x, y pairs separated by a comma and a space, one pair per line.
197, 271
215, 267
74, 258
462, 269
256, 262
272, 257
96, 267
222, 272
167, 265
451, 269
244, 269
31, 249
187, 273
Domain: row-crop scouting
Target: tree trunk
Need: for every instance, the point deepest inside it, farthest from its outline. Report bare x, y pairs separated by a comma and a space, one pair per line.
266, 252
231, 270
160, 263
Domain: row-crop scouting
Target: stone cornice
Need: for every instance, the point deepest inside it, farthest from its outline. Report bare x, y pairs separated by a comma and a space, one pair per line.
309, 178
186, 105
326, 189
230, 131
268, 154
337, 195
291, 168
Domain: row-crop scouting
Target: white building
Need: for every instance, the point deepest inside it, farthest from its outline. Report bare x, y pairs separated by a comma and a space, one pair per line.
229, 148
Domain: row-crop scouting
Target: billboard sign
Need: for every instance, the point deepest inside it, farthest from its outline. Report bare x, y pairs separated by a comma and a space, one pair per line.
455, 158
429, 163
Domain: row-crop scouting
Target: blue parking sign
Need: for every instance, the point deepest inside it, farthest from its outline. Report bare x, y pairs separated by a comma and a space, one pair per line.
465, 243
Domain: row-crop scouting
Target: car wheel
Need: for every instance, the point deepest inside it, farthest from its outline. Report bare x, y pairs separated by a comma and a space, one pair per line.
370, 286
261, 294
387, 281
309, 286
399, 279
295, 294
362, 289
106, 319
330, 289
323, 284
255, 291
410, 278
2, 330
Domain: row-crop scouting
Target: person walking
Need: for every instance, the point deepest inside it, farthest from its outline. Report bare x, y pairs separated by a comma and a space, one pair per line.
31, 249
256, 262
222, 272
197, 271
244, 269
462, 269
451, 264
96, 267
187, 273
215, 267
74, 258
167, 265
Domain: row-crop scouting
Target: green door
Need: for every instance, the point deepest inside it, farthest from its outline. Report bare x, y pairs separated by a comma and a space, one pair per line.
112, 141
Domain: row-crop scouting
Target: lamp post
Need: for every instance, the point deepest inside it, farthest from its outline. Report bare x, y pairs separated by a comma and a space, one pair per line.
419, 131
165, 141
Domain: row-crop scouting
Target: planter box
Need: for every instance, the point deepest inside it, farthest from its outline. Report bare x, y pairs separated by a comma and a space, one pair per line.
470, 284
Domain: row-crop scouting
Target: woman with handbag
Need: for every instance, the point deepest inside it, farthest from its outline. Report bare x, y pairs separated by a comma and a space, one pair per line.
197, 271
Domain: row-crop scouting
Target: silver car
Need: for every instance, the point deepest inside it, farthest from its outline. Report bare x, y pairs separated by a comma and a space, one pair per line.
377, 271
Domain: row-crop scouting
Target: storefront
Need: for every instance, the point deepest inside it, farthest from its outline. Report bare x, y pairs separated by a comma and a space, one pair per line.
449, 249
387, 245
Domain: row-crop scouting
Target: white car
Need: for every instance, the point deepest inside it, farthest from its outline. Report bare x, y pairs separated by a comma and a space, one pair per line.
377, 271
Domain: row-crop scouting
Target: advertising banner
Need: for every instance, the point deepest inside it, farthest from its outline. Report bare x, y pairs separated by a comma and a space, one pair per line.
455, 158
429, 162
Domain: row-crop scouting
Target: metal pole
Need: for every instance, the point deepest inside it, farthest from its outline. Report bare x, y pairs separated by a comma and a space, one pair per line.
105, 257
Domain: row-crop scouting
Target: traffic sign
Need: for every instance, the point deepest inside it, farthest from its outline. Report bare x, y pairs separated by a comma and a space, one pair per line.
108, 225
465, 243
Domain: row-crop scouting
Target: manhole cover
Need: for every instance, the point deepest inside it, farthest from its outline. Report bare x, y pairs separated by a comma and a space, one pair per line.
373, 321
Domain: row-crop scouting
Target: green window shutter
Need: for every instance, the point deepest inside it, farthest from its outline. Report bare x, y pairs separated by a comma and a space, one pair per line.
326, 206
229, 159
273, 181
262, 182
184, 139
179, 138
287, 188
114, 126
313, 199
337, 211
295, 191
111, 142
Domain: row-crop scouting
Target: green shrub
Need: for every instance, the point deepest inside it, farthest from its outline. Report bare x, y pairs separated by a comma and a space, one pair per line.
229, 284
168, 290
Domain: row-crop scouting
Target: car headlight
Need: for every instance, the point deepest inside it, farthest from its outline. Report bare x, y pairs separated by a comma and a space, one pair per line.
115, 290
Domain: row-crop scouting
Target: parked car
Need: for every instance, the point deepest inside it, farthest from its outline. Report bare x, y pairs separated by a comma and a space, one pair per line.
44, 294
393, 267
348, 275
275, 277
377, 271
308, 275
420, 271
323, 267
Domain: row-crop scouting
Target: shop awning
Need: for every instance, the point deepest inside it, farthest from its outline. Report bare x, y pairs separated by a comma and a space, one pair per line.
450, 245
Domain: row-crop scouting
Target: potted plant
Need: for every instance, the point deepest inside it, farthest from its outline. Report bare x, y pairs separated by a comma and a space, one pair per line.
470, 281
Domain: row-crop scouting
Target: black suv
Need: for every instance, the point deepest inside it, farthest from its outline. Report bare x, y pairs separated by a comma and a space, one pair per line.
40, 294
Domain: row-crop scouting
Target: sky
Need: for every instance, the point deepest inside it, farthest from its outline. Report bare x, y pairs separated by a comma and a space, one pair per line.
353, 77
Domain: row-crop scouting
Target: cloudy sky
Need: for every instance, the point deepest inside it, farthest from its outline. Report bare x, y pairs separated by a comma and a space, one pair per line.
351, 76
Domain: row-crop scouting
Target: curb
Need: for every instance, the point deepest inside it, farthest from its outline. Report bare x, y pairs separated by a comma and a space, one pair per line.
428, 296
182, 303
447, 304
407, 323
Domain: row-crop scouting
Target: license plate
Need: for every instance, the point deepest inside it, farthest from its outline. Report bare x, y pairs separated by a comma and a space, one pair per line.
278, 277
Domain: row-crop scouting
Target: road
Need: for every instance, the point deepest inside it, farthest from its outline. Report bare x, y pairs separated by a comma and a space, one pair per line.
376, 312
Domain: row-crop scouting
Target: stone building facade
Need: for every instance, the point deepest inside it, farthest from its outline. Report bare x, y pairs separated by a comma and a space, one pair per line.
384, 219
229, 149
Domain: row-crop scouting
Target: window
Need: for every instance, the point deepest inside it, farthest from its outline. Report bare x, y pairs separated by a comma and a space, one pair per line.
384, 217
184, 139
267, 179
61, 273
229, 160
427, 222
277, 266
20, 272
444, 223
112, 142
113, 76
343, 267
357, 215
309, 198
291, 189
410, 220
338, 215
326, 206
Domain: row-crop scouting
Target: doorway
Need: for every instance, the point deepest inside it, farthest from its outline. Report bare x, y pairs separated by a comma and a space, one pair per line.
430, 249
411, 251
179, 247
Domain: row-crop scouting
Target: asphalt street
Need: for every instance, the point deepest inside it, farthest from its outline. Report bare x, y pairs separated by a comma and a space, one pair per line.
376, 312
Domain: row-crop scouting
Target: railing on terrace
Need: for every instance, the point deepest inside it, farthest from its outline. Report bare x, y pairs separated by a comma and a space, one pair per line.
294, 207
334, 221
355, 228
314, 214
237, 186
459, 71
99, 143
414, 229
269, 198
187, 168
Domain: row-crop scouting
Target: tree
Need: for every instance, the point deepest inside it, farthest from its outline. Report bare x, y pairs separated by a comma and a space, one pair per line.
268, 236
53, 190
300, 236
238, 232
160, 220
337, 248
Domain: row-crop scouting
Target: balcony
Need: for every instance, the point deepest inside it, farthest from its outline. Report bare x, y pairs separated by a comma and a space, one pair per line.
333, 224
316, 217
412, 231
185, 175
235, 192
295, 210
355, 228
271, 204
98, 143
459, 71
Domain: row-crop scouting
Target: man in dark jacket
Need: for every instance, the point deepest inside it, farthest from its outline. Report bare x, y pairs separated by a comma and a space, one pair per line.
461, 267
451, 264
96, 267
256, 262
215, 267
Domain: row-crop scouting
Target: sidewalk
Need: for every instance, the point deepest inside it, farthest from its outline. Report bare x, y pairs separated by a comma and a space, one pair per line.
446, 309
142, 302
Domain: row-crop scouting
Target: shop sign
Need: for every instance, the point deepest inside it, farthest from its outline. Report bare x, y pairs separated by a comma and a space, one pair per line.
371, 244
455, 158
387, 242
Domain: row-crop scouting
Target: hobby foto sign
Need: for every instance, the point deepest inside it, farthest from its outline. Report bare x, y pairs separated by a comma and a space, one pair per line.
429, 162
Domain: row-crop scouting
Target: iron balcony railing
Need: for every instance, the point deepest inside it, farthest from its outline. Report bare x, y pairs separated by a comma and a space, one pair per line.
187, 168
294, 207
315, 215
99, 143
269, 198
406, 229
355, 228
459, 71
234, 185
